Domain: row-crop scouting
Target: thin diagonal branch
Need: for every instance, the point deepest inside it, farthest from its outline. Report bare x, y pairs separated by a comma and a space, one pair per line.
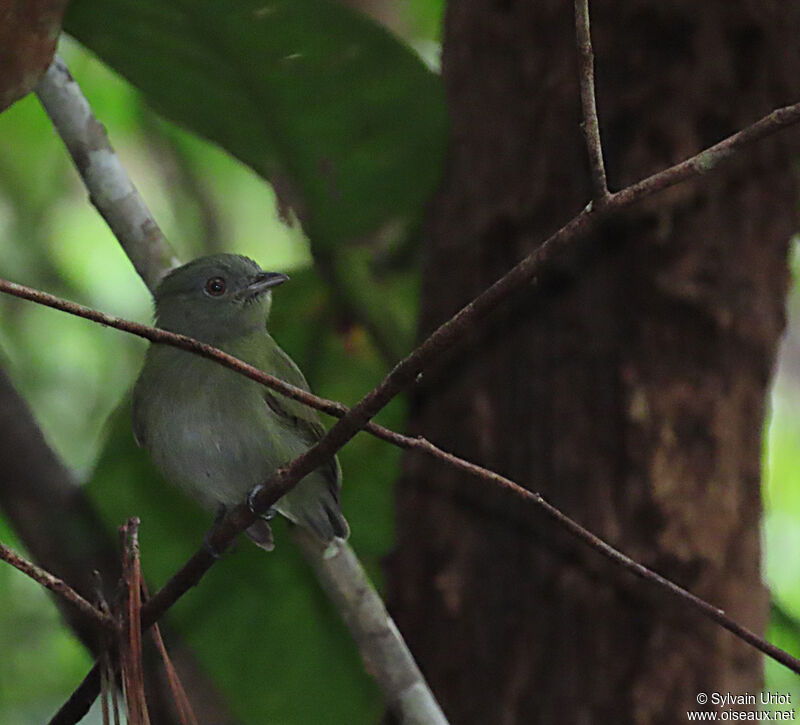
242, 517
591, 126
371, 627
81, 699
447, 336
157, 335
115, 197
110, 188
709, 159
56, 585
514, 281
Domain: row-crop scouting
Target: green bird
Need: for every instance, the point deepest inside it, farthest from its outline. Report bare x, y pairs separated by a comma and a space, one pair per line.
213, 431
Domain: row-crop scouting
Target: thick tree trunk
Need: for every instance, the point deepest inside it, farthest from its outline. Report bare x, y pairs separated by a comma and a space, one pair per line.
631, 393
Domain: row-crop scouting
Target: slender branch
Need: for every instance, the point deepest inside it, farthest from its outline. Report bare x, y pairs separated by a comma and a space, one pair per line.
157, 335
58, 586
114, 195
514, 281
445, 337
80, 701
241, 517
110, 188
449, 333
591, 127
705, 161
383, 649
130, 640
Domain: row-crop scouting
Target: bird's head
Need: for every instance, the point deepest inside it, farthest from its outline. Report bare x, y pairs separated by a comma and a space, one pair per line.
220, 297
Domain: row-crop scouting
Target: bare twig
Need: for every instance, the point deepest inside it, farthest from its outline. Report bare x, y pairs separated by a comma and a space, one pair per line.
113, 194
54, 584
705, 161
182, 703
130, 641
154, 334
373, 630
197, 566
591, 127
106, 685
79, 702
514, 281
444, 338
110, 188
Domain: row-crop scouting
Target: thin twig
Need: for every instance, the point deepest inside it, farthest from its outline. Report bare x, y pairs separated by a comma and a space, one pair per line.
385, 653
353, 420
110, 188
523, 274
445, 337
181, 700
591, 127
79, 702
705, 161
130, 641
114, 195
157, 335
197, 566
54, 584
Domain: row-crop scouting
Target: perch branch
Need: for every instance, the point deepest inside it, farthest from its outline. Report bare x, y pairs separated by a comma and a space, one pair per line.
372, 629
591, 127
241, 517
110, 188
446, 336
114, 195
81, 699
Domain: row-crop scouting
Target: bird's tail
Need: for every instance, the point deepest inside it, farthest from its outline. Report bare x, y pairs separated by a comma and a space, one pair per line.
314, 506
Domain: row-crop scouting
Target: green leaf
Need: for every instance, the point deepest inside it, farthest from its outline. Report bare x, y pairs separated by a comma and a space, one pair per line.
340, 115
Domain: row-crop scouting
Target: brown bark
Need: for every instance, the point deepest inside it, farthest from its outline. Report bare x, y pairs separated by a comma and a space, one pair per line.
631, 393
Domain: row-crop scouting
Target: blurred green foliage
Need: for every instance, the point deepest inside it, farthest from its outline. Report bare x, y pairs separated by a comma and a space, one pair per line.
307, 92
291, 659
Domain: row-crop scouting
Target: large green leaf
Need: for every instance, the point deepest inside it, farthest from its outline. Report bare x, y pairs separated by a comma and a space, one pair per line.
343, 117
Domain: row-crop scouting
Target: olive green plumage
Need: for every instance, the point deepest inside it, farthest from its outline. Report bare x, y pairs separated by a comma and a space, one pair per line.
215, 432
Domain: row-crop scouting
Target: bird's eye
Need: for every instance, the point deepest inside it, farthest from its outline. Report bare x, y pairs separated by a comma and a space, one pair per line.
215, 286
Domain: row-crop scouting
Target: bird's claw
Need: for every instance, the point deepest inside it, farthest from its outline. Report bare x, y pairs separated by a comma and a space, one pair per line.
269, 514
251, 498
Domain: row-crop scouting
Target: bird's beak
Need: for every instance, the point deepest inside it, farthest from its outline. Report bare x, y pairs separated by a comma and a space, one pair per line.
261, 282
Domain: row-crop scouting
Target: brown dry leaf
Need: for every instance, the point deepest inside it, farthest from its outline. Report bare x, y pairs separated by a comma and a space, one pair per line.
29, 30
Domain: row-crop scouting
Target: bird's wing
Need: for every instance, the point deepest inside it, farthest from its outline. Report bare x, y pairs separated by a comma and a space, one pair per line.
302, 420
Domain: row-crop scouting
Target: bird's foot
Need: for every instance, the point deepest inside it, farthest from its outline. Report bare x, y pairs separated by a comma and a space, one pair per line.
251, 497
269, 514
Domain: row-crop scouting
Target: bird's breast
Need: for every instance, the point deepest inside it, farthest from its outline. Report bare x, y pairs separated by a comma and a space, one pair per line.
204, 428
